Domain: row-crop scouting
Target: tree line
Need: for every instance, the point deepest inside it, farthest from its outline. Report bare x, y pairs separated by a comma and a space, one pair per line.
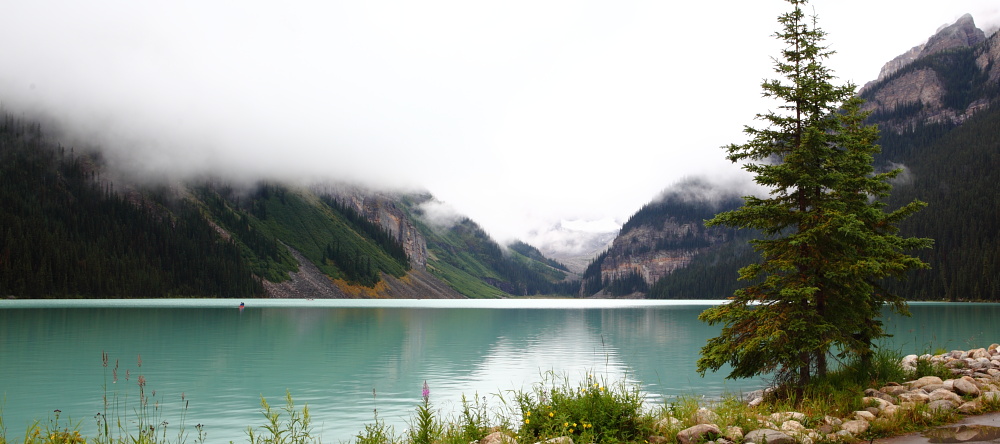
67, 234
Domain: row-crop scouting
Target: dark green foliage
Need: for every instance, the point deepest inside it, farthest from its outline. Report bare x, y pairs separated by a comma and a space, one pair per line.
630, 283
593, 280
826, 242
356, 268
64, 233
268, 257
957, 174
902, 148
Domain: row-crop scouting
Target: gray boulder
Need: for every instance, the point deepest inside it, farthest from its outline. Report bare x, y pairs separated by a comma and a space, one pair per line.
768, 436
941, 406
855, 427
966, 387
926, 380
698, 433
942, 394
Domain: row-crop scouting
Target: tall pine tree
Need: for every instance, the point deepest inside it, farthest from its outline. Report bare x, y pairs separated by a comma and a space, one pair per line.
827, 241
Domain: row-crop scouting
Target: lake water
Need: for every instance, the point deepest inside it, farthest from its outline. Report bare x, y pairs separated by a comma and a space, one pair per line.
332, 354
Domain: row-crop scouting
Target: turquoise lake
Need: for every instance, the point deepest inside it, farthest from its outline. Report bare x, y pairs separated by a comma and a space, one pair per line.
334, 354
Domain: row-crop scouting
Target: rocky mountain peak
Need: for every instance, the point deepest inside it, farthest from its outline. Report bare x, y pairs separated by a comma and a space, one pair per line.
962, 33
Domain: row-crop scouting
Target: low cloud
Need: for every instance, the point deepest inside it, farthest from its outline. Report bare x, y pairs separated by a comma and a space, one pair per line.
706, 189
439, 214
905, 176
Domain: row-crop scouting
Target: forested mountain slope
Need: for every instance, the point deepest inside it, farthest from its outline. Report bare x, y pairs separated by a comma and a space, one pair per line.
938, 109
66, 231
665, 236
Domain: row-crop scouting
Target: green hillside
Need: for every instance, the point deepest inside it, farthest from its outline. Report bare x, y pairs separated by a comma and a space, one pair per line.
67, 232
468, 259
271, 217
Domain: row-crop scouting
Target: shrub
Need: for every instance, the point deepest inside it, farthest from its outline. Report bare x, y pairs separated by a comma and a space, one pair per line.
592, 412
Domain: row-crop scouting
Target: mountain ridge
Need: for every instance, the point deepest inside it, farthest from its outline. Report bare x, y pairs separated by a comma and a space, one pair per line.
922, 102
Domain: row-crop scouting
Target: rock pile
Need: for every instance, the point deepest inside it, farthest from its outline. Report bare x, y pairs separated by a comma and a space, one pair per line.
976, 385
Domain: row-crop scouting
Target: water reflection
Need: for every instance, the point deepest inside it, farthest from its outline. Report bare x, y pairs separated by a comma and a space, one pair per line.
335, 357
964, 433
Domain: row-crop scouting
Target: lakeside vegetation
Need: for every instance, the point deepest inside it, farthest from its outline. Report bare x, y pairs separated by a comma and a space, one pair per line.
593, 410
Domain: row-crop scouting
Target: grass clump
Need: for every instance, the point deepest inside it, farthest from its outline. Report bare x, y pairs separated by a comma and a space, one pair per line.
594, 411
295, 430
926, 367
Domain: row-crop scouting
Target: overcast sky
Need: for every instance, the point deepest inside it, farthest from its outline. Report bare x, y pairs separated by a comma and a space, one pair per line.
516, 113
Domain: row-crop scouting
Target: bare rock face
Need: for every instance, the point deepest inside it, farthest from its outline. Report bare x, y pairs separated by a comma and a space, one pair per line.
962, 33
990, 58
900, 62
625, 256
381, 209
384, 212
924, 88
921, 86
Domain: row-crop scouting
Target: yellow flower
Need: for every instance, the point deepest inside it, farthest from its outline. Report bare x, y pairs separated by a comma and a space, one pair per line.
528, 414
571, 430
565, 424
527, 421
551, 414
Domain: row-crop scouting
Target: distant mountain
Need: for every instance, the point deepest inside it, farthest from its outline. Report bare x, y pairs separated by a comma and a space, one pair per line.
69, 231
664, 236
574, 243
937, 108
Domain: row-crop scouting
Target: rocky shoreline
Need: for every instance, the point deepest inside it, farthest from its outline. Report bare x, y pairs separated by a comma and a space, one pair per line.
974, 389
976, 386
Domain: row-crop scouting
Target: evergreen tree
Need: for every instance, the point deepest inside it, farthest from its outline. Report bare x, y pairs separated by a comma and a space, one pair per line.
827, 243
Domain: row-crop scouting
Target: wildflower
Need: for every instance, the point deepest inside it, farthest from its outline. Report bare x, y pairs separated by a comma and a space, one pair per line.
527, 421
142, 381
565, 424
104, 358
426, 392
528, 413
551, 414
